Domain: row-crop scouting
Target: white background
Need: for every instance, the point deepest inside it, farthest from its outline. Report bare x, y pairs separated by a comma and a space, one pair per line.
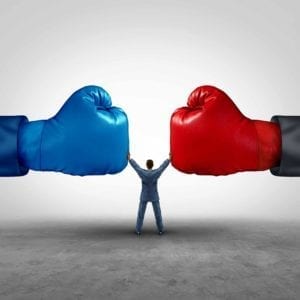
149, 55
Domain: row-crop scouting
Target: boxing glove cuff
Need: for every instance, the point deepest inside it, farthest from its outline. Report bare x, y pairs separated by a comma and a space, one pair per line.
290, 152
9, 161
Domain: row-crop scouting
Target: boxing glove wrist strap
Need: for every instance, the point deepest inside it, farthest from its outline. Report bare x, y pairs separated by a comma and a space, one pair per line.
269, 143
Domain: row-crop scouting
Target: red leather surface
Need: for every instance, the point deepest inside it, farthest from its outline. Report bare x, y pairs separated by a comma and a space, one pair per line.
212, 137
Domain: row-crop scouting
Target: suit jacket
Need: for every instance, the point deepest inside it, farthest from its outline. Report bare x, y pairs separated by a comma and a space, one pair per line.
290, 149
149, 180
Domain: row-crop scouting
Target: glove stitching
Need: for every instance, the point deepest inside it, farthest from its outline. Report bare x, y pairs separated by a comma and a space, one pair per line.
41, 140
257, 146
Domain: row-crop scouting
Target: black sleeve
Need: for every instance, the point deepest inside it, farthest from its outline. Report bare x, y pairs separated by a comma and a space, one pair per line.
9, 161
290, 140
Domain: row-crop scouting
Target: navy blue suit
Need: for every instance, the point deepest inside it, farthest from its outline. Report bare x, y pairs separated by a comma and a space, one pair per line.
149, 192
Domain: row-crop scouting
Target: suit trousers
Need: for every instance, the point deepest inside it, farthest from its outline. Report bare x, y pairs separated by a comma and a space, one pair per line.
141, 214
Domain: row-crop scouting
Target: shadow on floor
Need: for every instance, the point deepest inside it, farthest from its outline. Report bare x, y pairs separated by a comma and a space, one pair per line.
116, 230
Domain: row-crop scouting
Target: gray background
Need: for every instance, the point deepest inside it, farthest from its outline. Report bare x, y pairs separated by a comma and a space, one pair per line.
149, 56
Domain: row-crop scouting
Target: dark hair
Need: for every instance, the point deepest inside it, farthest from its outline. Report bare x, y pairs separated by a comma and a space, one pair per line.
149, 163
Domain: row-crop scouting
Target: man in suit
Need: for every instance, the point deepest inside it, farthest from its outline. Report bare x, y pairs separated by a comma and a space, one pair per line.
149, 192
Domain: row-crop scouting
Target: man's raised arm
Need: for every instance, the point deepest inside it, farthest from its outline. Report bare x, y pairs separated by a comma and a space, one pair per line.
162, 167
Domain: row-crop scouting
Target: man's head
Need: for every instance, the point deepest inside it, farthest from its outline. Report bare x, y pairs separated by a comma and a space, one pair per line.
149, 164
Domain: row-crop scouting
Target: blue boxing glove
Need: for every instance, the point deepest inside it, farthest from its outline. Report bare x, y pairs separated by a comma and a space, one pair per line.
86, 137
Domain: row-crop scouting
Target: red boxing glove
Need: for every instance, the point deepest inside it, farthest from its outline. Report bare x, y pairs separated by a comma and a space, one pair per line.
212, 137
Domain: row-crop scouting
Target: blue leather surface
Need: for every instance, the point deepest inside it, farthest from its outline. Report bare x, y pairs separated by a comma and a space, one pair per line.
87, 136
